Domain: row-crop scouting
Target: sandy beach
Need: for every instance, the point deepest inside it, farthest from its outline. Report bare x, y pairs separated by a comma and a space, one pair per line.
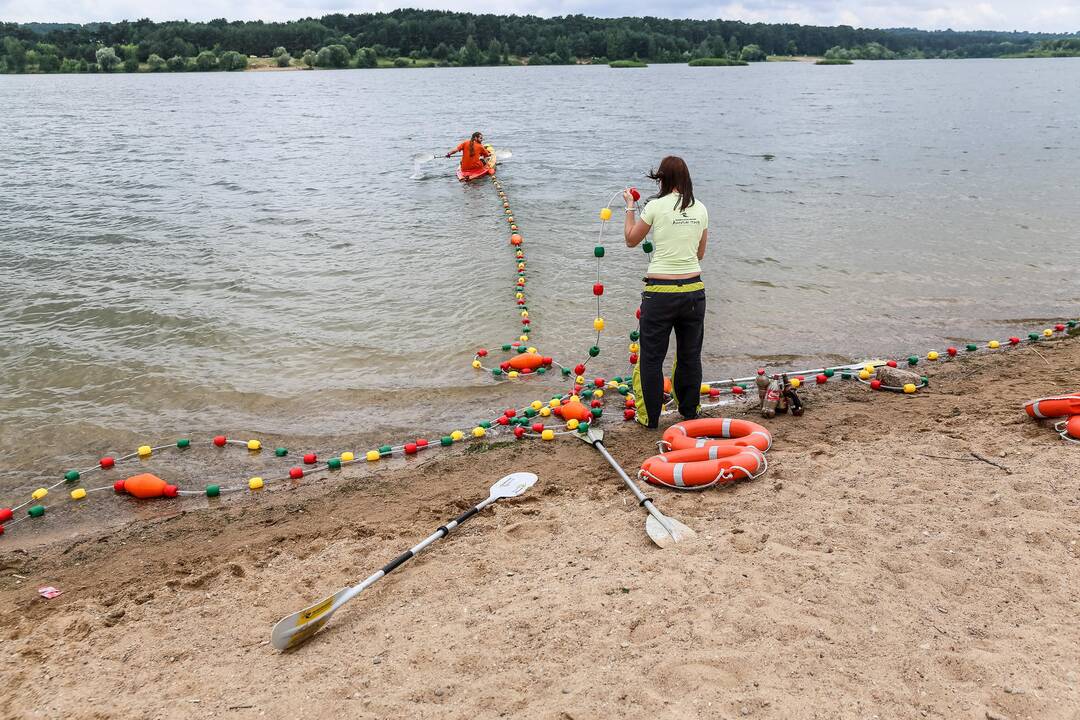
878, 570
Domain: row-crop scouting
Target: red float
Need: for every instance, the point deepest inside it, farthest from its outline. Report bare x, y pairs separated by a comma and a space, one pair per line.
628, 414
310, 458
633, 358
220, 441
875, 384
519, 432
410, 448
107, 462
421, 443
538, 427
5, 514
503, 420
951, 351
296, 473
1014, 341
735, 390
598, 382
891, 363
598, 289
481, 352
822, 378
579, 369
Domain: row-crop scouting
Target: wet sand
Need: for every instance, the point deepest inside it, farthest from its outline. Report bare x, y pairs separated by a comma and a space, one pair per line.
861, 577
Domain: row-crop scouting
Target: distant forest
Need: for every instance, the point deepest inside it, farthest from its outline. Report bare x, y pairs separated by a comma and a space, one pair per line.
404, 37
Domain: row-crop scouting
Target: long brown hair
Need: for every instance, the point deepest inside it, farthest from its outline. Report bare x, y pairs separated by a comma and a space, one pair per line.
474, 141
675, 176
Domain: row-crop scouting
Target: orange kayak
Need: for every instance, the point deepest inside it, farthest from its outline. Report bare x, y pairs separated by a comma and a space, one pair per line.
488, 169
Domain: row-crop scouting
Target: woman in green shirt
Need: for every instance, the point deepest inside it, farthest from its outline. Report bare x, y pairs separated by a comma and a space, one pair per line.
674, 296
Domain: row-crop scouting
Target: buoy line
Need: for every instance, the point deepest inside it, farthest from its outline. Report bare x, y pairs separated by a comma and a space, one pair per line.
577, 409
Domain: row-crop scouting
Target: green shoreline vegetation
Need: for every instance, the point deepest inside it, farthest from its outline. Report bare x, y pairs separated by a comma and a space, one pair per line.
833, 61
716, 62
627, 64
432, 38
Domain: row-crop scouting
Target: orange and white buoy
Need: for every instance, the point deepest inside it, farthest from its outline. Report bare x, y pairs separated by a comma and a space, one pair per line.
700, 468
1052, 407
713, 432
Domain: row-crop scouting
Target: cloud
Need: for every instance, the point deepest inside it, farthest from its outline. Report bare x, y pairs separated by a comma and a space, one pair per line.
1034, 15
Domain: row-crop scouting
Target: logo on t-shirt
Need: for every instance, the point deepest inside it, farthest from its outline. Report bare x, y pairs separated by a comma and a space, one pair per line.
684, 220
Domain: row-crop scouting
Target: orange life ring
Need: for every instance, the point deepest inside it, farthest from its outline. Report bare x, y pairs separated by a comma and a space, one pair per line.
700, 468
1072, 428
700, 433
1051, 407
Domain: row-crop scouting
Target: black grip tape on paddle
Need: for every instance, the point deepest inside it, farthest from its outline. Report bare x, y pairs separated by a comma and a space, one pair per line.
393, 564
643, 501
466, 515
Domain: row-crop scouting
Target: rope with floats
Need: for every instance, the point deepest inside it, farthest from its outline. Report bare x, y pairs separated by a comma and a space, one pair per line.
576, 409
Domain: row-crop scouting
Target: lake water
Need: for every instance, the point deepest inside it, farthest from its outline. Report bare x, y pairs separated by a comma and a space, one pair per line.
246, 253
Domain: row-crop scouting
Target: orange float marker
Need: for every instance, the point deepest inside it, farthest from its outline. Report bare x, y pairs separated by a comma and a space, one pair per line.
145, 486
573, 410
526, 361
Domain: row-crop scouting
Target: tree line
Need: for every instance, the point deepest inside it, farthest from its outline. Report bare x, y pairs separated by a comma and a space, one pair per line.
453, 38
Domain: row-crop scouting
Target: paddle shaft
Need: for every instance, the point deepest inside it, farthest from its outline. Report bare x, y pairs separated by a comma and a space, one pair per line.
642, 499
412, 552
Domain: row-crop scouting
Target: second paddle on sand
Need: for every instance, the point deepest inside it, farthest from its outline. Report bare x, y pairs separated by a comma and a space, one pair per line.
294, 629
662, 530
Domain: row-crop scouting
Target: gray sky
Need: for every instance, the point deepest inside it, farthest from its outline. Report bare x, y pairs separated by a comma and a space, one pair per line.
1035, 15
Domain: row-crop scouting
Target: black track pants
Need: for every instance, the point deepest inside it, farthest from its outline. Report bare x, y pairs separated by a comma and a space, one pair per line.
666, 306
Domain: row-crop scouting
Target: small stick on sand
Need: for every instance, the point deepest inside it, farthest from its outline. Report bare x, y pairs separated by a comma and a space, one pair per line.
987, 460
1040, 355
949, 457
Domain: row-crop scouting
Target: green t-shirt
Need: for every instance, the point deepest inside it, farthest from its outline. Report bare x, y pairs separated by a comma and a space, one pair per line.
676, 234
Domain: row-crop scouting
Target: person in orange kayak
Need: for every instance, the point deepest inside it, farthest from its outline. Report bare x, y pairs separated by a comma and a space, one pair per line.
472, 152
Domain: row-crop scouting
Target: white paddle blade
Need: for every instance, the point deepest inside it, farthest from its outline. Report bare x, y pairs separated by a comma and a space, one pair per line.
422, 157
513, 485
296, 628
660, 535
501, 155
